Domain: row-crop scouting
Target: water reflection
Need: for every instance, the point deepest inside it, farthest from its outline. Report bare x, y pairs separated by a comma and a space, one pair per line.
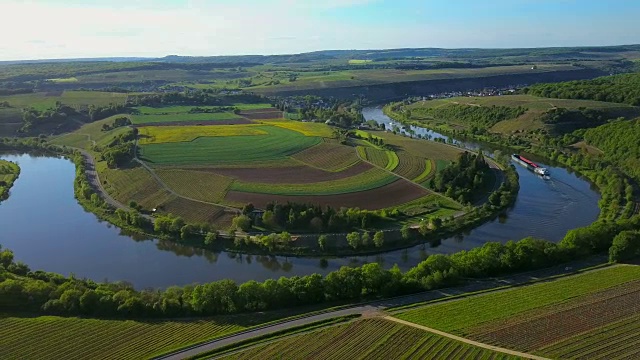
47, 229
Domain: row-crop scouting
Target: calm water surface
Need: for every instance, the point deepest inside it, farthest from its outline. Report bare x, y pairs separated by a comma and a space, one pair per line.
47, 229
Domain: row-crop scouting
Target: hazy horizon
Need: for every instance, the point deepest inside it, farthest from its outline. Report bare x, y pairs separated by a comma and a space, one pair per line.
72, 29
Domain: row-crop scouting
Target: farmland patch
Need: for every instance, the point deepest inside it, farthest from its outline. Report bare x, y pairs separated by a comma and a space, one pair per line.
398, 192
289, 174
196, 212
367, 180
328, 156
276, 146
182, 117
203, 186
307, 129
170, 134
366, 339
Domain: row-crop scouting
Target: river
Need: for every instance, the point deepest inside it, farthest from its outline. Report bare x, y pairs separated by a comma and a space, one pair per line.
47, 229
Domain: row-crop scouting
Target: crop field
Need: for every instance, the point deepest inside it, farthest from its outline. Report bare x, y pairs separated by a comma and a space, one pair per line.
427, 173
419, 148
196, 212
615, 341
328, 156
259, 106
51, 337
367, 180
385, 159
10, 115
366, 339
276, 146
548, 325
134, 183
261, 114
182, 117
163, 110
398, 192
307, 129
463, 316
298, 174
199, 185
42, 101
171, 134
411, 167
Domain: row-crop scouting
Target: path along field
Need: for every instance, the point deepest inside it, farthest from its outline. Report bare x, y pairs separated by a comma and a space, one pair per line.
366, 339
536, 318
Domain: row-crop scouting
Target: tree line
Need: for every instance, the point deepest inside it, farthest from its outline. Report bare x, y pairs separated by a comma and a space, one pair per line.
47, 293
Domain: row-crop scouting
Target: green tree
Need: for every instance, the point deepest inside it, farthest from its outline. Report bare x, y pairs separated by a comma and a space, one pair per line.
365, 239
353, 239
626, 245
322, 242
378, 239
242, 222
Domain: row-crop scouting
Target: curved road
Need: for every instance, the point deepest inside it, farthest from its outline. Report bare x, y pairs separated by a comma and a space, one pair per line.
381, 305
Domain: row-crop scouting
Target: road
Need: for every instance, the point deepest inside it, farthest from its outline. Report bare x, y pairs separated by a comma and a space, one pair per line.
381, 305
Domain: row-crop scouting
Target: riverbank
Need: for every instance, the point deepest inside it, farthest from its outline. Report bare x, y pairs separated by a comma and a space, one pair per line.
9, 172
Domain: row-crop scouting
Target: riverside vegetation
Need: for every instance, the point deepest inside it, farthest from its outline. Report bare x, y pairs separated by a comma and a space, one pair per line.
9, 172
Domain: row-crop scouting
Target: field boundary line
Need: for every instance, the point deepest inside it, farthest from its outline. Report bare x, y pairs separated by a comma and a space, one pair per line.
170, 190
467, 341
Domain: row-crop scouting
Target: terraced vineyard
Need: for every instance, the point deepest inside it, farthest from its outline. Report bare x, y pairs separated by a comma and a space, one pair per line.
328, 156
133, 183
411, 167
51, 337
466, 316
385, 159
367, 339
615, 341
204, 186
197, 212
367, 180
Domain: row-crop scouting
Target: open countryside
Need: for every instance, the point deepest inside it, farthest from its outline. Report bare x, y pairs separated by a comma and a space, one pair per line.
432, 202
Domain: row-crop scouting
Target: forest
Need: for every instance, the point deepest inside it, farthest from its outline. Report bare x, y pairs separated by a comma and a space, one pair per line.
474, 116
620, 142
623, 88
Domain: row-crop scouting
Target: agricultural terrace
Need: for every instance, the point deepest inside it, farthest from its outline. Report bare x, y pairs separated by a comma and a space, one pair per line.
43, 101
367, 180
329, 156
366, 339
276, 145
539, 318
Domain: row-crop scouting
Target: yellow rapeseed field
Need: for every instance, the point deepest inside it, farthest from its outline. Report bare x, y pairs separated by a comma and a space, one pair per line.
305, 128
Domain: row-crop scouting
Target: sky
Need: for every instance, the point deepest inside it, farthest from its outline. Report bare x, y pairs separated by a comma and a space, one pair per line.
51, 29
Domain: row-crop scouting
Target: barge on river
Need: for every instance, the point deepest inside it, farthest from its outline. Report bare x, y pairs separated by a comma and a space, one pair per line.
530, 165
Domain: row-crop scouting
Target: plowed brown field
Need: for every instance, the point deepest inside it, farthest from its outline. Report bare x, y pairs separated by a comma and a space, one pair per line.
398, 192
292, 174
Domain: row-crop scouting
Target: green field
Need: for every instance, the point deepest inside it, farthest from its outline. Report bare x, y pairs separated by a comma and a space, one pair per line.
42, 101
462, 316
278, 145
367, 180
180, 117
366, 339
